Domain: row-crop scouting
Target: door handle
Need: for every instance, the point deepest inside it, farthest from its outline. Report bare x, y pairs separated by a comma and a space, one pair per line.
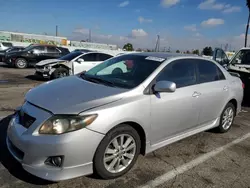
225, 88
196, 94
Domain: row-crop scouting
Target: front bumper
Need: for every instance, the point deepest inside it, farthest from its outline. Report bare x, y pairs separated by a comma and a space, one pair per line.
42, 74
32, 149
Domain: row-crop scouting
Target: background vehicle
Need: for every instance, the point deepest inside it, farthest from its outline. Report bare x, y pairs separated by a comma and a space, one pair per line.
82, 50
5, 45
33, 54
71, 64
102, 122
11, 49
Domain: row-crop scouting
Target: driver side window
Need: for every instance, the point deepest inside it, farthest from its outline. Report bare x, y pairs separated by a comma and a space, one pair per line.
90, 57
221, 57
38, 49
181, 72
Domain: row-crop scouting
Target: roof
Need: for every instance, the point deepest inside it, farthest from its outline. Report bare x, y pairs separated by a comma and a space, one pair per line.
245, 48
44, 45
164, 55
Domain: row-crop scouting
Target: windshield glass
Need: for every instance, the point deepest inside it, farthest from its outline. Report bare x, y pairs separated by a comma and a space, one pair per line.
70, 56
126, 71
242, 57
30, 47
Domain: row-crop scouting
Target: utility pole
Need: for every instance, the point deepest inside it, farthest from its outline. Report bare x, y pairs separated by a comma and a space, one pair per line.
89, 35
157, 46
56, 30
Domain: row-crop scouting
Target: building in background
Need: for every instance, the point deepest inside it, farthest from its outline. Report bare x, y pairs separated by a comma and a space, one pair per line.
53, 40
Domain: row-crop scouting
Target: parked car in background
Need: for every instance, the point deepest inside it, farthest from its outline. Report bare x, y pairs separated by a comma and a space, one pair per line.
11, 49
70, 64
100, 121
33, 54
5, 45
82, 50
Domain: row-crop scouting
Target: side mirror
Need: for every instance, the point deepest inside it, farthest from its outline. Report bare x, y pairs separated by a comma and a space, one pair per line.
80, 60
164, 86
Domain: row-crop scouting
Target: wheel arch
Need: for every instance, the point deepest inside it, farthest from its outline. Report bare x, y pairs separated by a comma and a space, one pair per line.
139, 130
234, 102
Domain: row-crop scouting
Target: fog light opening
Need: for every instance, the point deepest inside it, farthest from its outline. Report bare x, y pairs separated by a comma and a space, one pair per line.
54, 161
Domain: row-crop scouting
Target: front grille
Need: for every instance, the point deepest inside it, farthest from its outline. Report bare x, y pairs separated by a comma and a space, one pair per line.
39, 67
25, 119
17, 152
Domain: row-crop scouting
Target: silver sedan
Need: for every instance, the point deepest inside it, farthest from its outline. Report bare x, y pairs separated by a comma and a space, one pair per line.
101, 120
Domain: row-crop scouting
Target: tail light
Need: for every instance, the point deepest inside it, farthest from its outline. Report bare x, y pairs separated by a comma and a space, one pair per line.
243, 85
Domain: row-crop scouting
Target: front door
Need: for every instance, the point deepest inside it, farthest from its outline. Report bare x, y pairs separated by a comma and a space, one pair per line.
89, 61
37, 54
176, 112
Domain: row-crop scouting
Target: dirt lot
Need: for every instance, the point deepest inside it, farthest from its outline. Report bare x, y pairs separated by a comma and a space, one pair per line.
205, 160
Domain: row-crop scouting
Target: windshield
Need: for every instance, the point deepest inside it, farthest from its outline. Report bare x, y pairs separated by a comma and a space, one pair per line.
70, 56
30, 47
126, 71
242, 57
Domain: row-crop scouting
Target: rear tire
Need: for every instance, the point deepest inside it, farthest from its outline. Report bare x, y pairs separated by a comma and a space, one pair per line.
122, 156
60, 73
21, 63
226, 118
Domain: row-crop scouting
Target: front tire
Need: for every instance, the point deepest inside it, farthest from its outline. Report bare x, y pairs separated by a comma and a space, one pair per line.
59, 73
117, 152
227, 118
21, 63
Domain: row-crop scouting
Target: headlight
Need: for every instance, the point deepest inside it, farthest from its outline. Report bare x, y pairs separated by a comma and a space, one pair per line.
63, 124
47, 67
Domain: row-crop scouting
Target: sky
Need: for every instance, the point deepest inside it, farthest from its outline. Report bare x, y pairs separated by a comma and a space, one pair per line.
181, 24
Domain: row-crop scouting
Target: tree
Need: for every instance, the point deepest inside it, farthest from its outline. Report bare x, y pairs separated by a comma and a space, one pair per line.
208, 51
128, 47
196, 52
248, 6
177, 51
187, 52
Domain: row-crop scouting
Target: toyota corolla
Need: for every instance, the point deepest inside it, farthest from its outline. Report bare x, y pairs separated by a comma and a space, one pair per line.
101, 120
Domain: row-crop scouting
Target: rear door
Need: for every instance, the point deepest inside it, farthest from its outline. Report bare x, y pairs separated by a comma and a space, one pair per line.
52, 52
213, 89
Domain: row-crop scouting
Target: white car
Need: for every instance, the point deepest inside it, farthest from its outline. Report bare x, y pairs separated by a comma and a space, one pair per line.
70, 64
5, 45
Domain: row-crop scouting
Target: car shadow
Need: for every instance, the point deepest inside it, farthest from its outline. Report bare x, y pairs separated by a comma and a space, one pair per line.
35, 78
14, 167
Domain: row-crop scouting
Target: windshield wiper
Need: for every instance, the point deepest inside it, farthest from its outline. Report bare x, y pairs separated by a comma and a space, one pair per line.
97, 80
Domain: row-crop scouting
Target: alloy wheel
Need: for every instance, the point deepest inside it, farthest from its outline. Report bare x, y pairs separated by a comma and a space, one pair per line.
119, 153
227, 118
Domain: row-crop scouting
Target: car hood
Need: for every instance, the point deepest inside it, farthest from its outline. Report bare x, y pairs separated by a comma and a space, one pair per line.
72, 95
49, 61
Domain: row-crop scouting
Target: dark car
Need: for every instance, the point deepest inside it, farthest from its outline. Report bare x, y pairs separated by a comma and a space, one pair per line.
82, 50
33, 54
11, 49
